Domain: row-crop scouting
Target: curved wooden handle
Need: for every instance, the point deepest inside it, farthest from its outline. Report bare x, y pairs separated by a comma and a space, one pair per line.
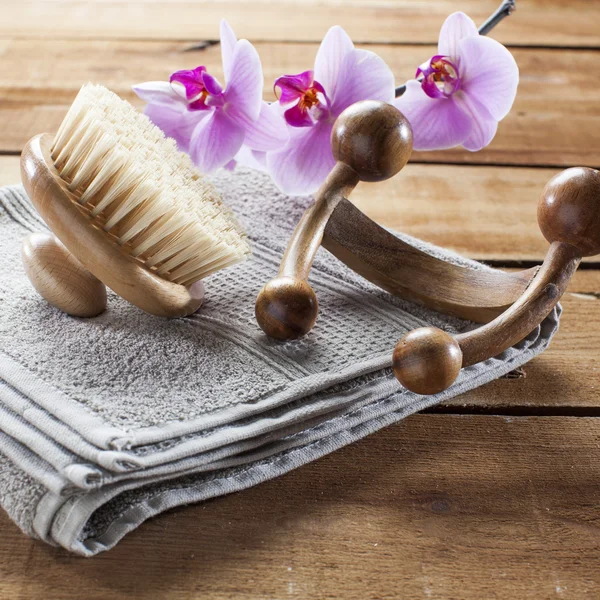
400, 268
371, 141
71, 224
60, 278
428, 360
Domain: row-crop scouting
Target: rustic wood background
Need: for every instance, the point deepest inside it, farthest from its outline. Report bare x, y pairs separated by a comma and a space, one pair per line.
494, 495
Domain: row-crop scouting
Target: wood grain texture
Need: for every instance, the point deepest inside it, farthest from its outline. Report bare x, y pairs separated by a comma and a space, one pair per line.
427, 360
406, 271
60, 278
374, 139
536, 303
537, 22
436, 507
486, 213
569, 217
40, 78
286, 308
569, 210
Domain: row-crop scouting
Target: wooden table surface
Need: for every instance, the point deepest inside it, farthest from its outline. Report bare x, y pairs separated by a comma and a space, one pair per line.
493, 495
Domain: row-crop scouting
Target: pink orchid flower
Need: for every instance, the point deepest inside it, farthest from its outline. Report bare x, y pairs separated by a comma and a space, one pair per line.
211, 121
312, 100
466, 89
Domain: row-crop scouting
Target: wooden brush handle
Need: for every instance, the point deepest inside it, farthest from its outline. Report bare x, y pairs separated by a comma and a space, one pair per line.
89, 245
371, 141
60, 278
428, 360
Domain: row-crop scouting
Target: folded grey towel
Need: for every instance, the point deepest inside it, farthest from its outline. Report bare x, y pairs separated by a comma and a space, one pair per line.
105, 422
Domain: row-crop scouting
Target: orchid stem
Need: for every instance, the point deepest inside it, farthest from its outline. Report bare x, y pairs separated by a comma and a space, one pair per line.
504, 10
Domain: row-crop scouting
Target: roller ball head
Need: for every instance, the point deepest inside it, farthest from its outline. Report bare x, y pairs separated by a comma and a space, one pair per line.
286, 308
427, 360
372, 138
569, 209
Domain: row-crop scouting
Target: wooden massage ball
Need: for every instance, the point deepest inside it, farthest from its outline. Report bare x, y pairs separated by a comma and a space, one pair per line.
427, 360
569, 209
286, 308
373, 138
371, 141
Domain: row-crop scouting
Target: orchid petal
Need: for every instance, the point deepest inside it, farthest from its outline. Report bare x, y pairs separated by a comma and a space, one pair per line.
439, 77
489, 74
302, 166
292, 87
330, 57
362, 76
253, 159
213, 87
430, 87
483, 124
456, 27
426, 69
297, 117
268, 132
215, 101
191, 80
245, 83
215, 141
228, 42
199, 104
437, 123
157, 92
175, 121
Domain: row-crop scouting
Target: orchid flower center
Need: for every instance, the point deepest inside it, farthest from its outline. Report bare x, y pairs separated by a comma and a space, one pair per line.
306, 97
201, 90
309, 98
440, 77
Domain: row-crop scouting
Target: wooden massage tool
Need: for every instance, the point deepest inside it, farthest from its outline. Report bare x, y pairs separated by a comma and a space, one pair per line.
372, 141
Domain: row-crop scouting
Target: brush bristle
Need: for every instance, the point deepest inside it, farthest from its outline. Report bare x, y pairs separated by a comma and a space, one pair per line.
145, 194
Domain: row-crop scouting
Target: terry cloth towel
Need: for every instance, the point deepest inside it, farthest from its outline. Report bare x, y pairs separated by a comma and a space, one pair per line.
105, 422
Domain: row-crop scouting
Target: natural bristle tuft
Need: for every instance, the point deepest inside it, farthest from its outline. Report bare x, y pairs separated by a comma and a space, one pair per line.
142, 191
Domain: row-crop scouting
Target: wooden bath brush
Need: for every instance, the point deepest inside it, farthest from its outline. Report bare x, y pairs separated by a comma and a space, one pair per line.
127, 210
372, 141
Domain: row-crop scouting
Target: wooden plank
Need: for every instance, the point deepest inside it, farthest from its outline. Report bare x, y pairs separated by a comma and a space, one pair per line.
565, 377
9, 170
537, 22
435, 507
482, 212
39, 79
